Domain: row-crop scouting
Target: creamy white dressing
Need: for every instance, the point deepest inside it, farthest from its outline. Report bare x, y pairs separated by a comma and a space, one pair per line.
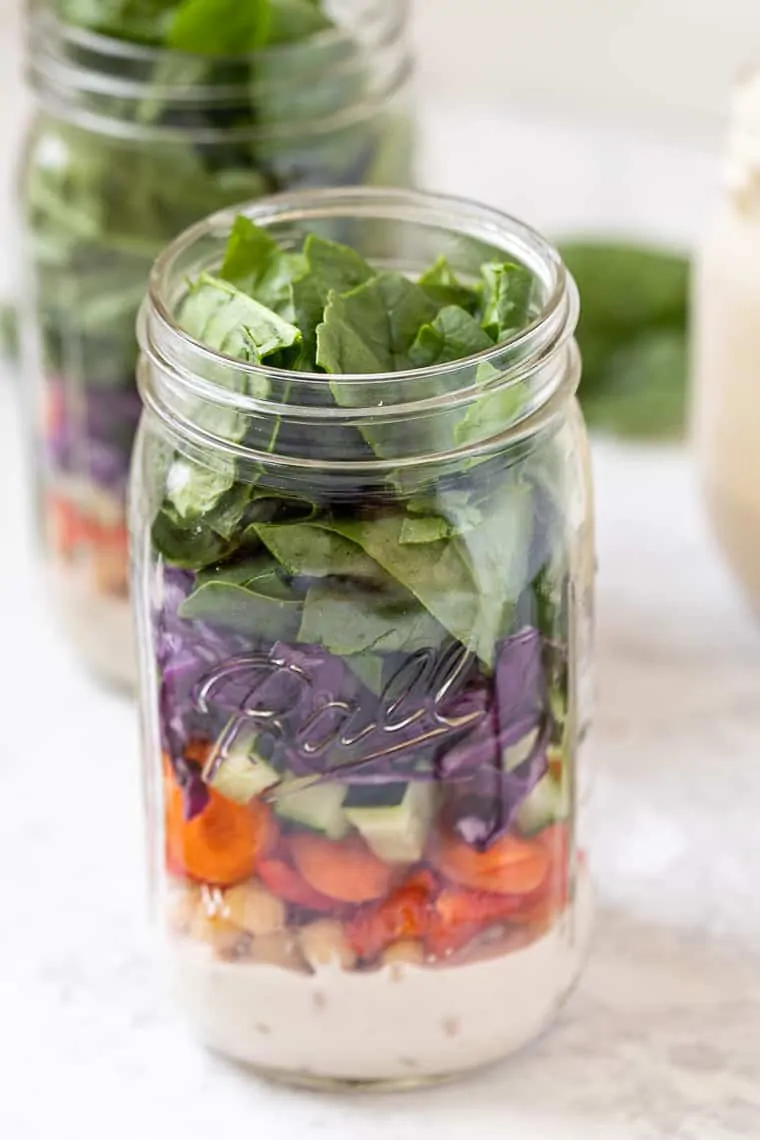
98, 624
726, 406
399, 1023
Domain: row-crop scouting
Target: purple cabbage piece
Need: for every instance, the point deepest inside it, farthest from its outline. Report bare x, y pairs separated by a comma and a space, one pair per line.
185, 651
93, 433
489, 795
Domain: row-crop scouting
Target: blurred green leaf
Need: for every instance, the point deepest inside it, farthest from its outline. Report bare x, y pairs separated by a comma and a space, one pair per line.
632, 335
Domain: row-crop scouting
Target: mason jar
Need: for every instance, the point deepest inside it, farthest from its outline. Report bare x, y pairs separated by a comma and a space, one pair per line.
726, 349
130, 145
361, 672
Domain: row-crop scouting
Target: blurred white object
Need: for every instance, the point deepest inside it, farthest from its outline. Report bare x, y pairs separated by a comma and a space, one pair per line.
727, 349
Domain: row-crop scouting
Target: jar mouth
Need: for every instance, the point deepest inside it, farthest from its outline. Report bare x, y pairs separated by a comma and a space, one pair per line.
533, 360
86, 76
105, 47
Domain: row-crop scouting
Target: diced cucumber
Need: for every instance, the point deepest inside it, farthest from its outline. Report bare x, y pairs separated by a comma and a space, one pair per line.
543, 807
549, 802
316, 806
516, 754
240, 771
394, 819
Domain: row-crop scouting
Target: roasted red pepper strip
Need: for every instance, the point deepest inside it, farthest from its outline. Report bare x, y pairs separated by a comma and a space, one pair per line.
460, 914
405, 913
73, 528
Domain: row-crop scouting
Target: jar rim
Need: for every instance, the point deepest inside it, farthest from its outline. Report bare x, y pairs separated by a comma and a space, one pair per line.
64, 84
186, 364
150, 53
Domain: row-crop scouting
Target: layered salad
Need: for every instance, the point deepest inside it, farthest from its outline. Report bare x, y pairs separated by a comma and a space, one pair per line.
365, 691
172, 110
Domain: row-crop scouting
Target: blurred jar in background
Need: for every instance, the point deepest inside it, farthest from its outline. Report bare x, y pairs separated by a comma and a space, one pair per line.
130, 145
726, 334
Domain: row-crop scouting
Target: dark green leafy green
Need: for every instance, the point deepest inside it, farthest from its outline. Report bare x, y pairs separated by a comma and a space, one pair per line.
350, 621
311, 551
439, 576
632, 335
444, 287
372, 328
328, 267
220, 27
220, 315
249, 598
194, 490
643, 392
393, 581
452, 335
255, 264
186, 544
507, 297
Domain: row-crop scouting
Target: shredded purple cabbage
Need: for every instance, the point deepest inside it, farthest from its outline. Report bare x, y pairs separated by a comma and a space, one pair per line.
94, 432
185, 651
489, 793
326, 724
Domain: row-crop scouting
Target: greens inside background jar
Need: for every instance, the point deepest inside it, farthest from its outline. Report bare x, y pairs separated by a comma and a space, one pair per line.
149, 118
361, 518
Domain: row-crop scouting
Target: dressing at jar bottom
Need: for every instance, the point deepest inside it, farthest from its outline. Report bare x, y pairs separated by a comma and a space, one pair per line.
403, 1024
98, 625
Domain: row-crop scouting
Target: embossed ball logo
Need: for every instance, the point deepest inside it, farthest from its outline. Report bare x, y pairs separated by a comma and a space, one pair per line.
325, 719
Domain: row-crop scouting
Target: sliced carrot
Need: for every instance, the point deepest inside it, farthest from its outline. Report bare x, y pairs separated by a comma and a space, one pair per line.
286, 883
509, 866
555, 840
404, 914
222, 844
198, 751
539, 908
347, 871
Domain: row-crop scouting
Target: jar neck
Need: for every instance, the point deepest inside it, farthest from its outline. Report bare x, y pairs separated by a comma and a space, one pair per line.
319, 83
409, 419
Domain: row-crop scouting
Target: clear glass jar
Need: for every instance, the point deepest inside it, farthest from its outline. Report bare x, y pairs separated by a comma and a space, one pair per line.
130, 146
362, 756
726, 336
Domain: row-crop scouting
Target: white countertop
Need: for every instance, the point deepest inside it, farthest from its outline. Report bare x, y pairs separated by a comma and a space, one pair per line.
662, 1040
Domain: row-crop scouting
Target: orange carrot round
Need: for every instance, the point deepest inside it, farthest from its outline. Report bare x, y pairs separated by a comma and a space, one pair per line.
346, 871
280, 878
509, 866
222, 844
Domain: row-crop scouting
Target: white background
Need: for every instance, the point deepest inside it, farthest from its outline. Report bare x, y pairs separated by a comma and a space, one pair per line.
659, 60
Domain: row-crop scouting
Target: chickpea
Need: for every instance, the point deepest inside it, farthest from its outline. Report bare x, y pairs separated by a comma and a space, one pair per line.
182, 902
278, 949
110, 571
406, 953
324, 942
251, 907
215, 931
